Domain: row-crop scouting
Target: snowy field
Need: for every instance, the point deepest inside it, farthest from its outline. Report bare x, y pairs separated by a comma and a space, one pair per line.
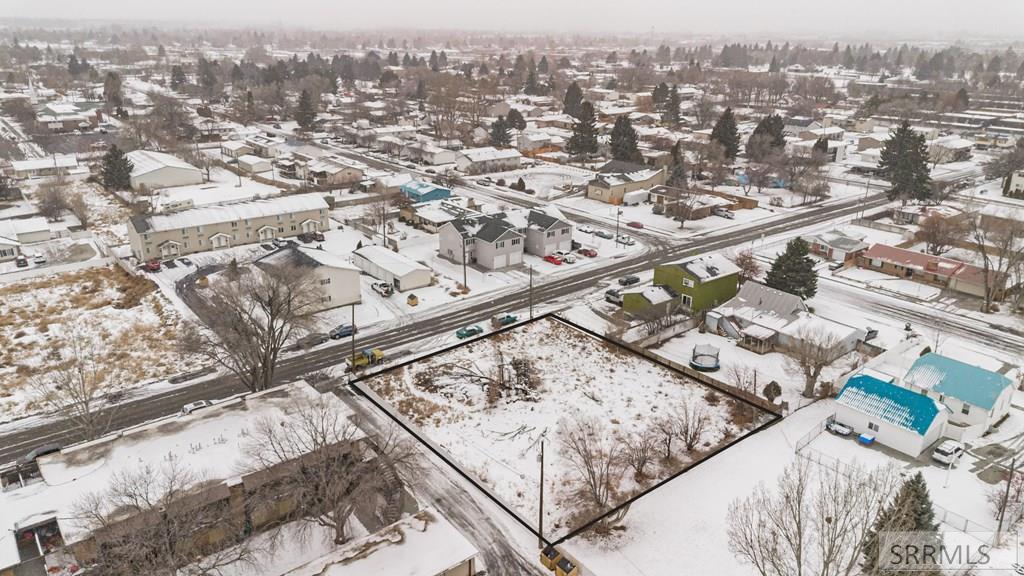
119, 321
882, 281
574, 380
546, 179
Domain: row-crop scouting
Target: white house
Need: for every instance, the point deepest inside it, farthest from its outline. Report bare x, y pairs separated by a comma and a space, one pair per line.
337, 278
39, 167
26, 230
253, 164
896, 417
154, 170
235, 148
487, 159
392, 267
977, 398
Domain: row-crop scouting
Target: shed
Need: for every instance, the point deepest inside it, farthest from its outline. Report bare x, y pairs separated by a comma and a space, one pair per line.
392, 267
254, 164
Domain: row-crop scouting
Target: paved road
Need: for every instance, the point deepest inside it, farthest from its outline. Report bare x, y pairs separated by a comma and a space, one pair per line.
23, 438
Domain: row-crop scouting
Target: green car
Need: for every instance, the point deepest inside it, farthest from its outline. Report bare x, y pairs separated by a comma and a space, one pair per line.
468, 331
504, 320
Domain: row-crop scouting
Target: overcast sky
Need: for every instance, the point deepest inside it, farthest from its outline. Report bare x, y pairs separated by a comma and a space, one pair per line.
938, 19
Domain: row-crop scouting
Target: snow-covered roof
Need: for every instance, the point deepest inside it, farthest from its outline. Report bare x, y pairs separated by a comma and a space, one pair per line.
14, 227
210, 442
146, 161
395, 263
890, 403
424, 544
229, 213
68, 161
971, 384
305, 255
489, 153
709, 267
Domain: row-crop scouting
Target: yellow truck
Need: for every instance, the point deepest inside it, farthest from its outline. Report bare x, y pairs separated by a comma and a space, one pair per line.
368, 357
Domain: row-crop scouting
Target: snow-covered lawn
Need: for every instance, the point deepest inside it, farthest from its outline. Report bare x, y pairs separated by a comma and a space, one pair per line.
737, 362
546, 178
886, 282
574, 379
131, 326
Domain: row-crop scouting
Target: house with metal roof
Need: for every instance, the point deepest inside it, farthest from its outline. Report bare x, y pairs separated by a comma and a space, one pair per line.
977, 398
894, 416
419, 191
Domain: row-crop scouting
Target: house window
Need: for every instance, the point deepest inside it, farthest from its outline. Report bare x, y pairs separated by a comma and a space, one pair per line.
565, 231
145, 236
551, 234
872, 426
687, 282
500, 244
966, 409
515, 241
234, 224
325, 281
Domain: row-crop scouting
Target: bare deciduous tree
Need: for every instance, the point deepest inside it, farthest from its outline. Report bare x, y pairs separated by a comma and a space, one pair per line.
639, 451
52, 199
816, 522
595, 457
749, 267
252, 319
693, 421
998, 243
80, 208
940, 234
341, 468
149, 521
79, 385
812, 350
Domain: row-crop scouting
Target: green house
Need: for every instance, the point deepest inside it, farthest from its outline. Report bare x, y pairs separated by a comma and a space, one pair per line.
661, 298
702, 282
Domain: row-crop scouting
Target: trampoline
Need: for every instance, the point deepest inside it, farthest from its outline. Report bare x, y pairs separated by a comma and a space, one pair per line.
704, 358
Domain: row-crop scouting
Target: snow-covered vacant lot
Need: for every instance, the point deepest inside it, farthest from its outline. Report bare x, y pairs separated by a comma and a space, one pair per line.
491, 402
117, 325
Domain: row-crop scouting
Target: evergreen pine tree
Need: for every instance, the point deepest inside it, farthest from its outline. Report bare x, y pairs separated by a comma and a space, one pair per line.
515, 120
421, 89
532, 87
659, 95
543, 65
624, 141
116, 172
249, 109
573, 100
910, 510
820, 146
305, 114
583, 141
672, 103
793, 271
904, 163
677, 168
178, 79
501, 136
961, 101
774, 67
726, 134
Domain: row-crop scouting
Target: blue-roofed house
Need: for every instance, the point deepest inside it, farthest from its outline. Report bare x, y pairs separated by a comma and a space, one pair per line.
420, 191
897, 417
977, 398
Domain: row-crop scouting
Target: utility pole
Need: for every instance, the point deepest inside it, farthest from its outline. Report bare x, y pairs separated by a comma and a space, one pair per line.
1006, 498
531, 292
353, 340
618, 212
540, 514
465, 277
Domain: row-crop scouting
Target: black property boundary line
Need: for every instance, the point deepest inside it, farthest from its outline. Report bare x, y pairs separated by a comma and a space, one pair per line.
399, 419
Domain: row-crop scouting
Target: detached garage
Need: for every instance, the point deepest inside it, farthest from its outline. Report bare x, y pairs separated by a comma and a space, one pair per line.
154, 170
896, 417
392, 267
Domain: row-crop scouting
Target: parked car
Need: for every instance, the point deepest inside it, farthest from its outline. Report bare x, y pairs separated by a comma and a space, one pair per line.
836, 266
658, 209
948, 452
627, 240
317, 236
342, 331
21, 262
588, 252
871, 334
468, 332
193, 406
635, 224
723, 212
185, 261
614, 296
629, 280
574, 245
280, 242
585, 229
569, 259
153, 266
307, 342
383, 288
305, 237
38, 452
268, 247
604, 234
552, 258
838, 428
39, 259
503, 320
